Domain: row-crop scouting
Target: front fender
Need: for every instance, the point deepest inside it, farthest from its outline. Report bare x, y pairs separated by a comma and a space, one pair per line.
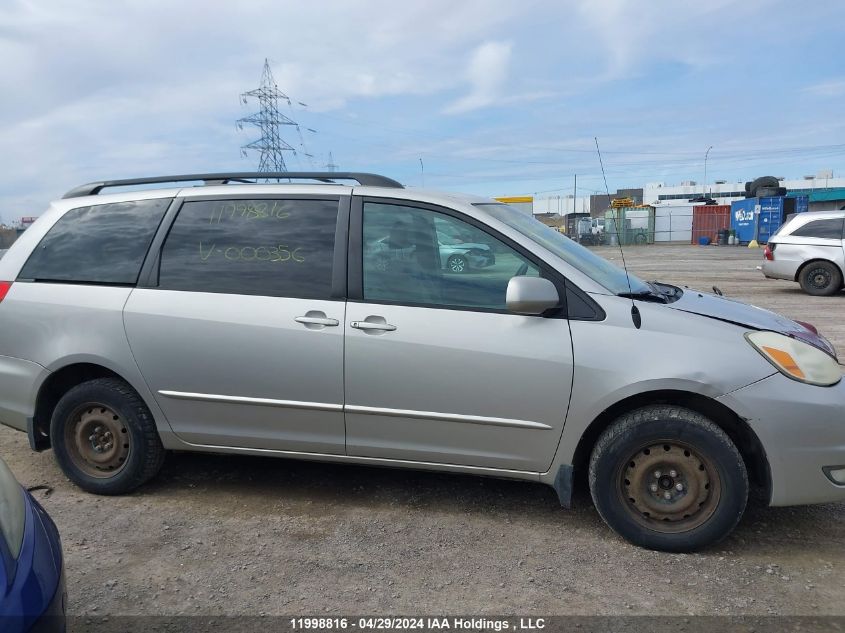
671, 351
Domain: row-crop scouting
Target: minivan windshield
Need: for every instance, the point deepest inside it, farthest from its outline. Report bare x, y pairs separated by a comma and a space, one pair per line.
597, 268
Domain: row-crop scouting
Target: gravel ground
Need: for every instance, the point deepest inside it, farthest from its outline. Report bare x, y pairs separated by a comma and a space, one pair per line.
242, 535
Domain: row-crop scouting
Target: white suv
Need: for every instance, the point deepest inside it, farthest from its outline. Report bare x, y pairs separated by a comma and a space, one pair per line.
809, 248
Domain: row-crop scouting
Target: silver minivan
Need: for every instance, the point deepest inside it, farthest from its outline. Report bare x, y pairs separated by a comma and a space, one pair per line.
234, 317
809, 248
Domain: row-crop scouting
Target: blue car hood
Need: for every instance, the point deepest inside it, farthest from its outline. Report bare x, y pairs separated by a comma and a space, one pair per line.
746, 315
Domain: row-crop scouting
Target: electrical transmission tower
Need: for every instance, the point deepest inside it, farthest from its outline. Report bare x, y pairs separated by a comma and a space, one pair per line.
270, 146
331, 166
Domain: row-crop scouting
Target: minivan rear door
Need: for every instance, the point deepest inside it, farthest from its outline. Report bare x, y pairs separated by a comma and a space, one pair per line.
237, 322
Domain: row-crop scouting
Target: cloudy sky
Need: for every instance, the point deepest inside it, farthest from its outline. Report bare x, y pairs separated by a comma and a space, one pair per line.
495, 96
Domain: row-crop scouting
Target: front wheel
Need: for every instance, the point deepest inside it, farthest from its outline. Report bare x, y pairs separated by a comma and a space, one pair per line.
667, 478
104, 437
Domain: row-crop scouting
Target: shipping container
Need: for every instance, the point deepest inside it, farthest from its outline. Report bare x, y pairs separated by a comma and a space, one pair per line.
673, 223
802, 204
759, 218
708, 220
630, 225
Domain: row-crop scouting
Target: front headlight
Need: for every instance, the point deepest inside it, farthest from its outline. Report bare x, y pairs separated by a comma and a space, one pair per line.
12, 510
796, 359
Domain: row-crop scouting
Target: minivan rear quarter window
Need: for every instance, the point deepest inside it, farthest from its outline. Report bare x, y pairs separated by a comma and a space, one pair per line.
103, 243
270, 247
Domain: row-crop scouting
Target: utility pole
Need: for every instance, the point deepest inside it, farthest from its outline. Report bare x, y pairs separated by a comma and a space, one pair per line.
422, 172
575, 193
706, 154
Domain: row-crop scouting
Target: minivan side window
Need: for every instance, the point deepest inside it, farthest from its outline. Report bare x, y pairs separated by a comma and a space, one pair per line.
830, 229
422, 257
270, 247
102, 243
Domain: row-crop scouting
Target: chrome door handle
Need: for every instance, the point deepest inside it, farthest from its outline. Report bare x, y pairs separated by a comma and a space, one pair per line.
316, 320
370, 325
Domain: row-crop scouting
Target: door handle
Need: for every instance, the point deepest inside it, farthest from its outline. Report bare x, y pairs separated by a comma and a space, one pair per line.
373, 325
316, 320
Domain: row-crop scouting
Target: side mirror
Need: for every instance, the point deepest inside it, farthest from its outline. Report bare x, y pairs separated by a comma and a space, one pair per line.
531, 295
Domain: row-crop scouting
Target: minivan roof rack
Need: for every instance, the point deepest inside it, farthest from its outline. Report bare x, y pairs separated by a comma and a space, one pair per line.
94, 188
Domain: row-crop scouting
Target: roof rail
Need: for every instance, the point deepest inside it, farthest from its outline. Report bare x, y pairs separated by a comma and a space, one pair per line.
94, 188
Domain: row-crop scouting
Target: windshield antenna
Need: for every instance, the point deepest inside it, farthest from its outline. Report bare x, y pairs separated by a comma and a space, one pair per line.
636, 317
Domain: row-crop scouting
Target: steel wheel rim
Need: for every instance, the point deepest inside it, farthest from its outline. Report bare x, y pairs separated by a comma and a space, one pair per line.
820, 278
457, 264
668, 486
97, 440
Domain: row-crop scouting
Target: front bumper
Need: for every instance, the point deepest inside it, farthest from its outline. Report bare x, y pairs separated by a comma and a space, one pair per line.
802, 429
480, 259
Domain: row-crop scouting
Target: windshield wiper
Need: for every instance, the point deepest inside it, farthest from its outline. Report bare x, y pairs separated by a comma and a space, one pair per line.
652, 294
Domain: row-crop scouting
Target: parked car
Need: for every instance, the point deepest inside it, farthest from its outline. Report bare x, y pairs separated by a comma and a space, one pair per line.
247, 318
32, 583
809, 248
456, 257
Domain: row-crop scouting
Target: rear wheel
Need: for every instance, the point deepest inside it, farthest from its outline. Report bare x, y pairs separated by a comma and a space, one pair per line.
104, 437
667, 478
820, 278
457, 264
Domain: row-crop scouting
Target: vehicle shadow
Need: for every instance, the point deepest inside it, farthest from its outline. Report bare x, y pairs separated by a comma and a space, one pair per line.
263, 481
239, 485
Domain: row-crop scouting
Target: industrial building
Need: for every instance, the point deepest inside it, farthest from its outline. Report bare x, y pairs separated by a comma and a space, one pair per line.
825, 192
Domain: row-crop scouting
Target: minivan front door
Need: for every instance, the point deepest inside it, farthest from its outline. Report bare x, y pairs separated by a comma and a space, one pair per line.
435, 369
240, 338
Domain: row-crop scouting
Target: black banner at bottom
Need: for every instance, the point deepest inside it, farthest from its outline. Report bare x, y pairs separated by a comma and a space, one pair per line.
438, 624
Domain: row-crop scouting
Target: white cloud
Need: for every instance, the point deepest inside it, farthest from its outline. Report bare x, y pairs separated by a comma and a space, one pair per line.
487, 72
627, 33
831, 88
98, 89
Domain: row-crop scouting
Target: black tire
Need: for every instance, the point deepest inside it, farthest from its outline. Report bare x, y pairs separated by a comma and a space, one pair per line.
758, 183
628, 479
127, 440
820, 278
770, 192
457, 264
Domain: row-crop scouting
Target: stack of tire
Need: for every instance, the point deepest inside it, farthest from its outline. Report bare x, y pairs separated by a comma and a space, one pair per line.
764, 187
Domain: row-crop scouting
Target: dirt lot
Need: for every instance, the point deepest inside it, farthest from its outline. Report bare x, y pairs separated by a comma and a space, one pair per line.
237, 535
